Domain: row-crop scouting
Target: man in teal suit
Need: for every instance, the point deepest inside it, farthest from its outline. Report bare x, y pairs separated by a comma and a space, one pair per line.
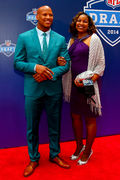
36, 55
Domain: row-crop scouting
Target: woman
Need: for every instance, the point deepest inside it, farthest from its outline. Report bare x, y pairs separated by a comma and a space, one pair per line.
87, 55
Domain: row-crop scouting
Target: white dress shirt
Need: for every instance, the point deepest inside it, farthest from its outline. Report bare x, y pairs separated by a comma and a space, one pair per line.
40, 37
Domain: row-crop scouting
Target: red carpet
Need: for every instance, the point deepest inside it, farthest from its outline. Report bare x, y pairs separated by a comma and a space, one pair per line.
103, 165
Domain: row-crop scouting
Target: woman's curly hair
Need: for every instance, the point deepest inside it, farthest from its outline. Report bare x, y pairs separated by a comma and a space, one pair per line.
91, 25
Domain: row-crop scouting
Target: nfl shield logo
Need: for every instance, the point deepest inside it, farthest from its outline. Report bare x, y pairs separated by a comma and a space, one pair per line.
31, 16
113, 3
106, 19
7, 48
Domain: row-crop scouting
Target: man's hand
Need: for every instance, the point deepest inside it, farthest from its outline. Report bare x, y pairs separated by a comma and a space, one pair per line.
44, 72
39, 78
61, 61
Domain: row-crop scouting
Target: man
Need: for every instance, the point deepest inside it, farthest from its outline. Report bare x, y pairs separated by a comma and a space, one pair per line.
36, 55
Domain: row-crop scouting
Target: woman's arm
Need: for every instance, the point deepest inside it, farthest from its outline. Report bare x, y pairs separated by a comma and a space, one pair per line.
96, 61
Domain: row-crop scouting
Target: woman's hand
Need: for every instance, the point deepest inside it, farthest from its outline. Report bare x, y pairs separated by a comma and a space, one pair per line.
78, 82
61, 61
95, 77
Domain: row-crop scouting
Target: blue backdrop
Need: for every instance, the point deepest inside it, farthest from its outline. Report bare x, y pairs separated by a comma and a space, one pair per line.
13, 22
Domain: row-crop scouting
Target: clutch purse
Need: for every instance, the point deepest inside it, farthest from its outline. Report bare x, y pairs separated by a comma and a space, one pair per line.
89, 90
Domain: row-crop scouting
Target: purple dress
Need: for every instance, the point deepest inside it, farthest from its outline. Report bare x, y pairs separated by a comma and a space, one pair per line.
79, 53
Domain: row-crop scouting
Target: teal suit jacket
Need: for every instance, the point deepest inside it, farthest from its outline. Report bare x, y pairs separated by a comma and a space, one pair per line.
28, 53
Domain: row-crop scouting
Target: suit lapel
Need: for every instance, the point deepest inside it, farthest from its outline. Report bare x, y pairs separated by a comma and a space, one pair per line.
36, 42
51, 44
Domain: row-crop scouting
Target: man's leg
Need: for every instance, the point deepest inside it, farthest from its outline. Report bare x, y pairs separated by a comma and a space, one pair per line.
33, 110
53, 109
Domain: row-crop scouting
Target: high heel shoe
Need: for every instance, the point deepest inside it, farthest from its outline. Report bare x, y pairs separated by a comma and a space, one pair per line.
85, 162
73, 157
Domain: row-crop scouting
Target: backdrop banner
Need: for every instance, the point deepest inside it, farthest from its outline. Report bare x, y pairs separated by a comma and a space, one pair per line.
19, 16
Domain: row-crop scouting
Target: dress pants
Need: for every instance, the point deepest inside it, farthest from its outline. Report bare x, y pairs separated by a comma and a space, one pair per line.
33, 110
